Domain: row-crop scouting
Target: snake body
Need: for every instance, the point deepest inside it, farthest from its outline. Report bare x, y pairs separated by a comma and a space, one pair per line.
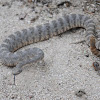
8, 49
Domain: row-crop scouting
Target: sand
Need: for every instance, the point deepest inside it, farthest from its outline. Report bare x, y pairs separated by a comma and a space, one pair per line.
68, 67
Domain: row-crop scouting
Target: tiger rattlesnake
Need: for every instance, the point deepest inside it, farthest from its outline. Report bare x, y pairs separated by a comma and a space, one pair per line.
8, 49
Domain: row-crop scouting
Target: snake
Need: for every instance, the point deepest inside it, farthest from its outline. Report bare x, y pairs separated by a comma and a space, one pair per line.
10, 55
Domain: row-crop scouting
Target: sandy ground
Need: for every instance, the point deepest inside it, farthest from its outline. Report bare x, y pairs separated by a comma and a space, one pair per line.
67, 69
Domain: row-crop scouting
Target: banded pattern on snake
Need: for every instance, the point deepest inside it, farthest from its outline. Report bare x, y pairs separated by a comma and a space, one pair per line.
8, 49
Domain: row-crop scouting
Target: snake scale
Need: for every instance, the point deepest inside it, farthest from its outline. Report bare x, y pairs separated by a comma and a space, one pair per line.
8, 49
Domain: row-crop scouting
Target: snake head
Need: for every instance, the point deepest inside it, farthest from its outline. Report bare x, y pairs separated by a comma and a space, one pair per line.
16, 71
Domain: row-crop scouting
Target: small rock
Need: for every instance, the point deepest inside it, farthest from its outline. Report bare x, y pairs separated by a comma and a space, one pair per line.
80, 65
52, 6
50, 16
34, 18
22, 16
80, 93
39, 5
6, 4
14, 96
67, 3
31, 96
87, 55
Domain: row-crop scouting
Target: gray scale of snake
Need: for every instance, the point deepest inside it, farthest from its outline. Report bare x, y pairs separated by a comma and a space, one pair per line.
8, 49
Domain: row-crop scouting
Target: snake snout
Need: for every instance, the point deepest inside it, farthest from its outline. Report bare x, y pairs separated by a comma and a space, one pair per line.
16, 71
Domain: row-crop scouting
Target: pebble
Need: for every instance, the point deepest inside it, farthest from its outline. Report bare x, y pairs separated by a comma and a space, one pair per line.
80, 93
66, 3
34, 18
6, 4
31, 96
86, 54
39, 5
22, 16
52, 6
